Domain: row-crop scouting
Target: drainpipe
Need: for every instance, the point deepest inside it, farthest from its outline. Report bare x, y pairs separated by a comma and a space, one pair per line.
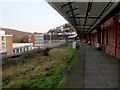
116, 35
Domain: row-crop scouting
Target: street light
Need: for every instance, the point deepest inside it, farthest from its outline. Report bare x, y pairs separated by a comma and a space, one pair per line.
50, 38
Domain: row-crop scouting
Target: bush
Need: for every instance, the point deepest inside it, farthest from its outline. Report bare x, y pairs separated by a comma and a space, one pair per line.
46, 51
32, 54
77, 45
28, 54
43, 52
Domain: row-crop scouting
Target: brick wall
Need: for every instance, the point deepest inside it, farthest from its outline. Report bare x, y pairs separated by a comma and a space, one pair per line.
9, 45
94, 38
87, 38
27, 39
118, 37
111, 47
110, 38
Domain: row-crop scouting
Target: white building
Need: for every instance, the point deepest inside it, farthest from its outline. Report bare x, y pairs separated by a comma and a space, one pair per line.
5, 43
22, 47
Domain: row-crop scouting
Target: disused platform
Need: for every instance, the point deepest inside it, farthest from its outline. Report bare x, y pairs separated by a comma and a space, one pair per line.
92, 69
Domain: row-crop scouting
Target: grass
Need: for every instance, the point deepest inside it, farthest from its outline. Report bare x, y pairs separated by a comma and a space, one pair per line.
41, 70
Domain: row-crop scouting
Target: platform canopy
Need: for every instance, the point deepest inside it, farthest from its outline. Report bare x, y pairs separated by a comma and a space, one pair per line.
84, 16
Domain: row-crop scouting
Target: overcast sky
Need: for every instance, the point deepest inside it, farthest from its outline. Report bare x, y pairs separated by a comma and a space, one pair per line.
29, 15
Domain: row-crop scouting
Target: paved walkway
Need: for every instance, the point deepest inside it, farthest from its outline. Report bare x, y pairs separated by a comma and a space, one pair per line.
74, 78
92, 69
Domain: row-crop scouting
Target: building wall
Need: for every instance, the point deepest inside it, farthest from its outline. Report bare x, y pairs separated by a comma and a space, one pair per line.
0, 44
118, 37
83, 39
112, 45
9, 45
110, 36
87, 38
30, 38
6, 43
3, 43
93, 37
37, 39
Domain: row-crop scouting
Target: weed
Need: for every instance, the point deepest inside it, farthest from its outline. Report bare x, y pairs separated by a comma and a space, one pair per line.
28, 54
39, 68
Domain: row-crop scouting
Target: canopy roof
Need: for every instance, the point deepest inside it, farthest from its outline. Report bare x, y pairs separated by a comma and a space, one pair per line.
84, 16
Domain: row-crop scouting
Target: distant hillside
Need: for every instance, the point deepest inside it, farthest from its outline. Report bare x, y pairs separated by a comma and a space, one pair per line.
18, 36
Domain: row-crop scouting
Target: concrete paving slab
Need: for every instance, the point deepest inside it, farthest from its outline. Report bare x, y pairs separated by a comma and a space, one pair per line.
92, 69
96, 84
112, 83
112, 78
108, 72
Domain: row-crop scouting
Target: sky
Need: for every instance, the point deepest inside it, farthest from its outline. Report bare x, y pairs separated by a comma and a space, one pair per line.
29, 15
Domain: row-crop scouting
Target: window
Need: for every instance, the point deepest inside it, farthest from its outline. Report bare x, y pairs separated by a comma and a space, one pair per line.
3, 38
29, 35
39, 41
30, 40
107, 37
38, 44
38, 37
102, 37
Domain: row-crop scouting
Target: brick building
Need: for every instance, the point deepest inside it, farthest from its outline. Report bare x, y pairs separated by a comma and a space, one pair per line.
5, 43
106, 36
36, 38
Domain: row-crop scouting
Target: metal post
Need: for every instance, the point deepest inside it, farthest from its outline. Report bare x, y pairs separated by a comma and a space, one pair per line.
25, 48
50, 38
19, 51
22, 49
15, 50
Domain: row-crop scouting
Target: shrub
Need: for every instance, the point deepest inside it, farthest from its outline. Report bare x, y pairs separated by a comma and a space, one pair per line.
77, 45
29, 54
46, 51
43, 52
32, 54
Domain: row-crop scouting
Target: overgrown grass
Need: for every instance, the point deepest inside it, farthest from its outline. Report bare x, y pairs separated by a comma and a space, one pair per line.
40, 70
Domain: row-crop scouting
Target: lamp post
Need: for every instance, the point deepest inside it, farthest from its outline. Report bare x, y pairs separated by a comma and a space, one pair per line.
50, 39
